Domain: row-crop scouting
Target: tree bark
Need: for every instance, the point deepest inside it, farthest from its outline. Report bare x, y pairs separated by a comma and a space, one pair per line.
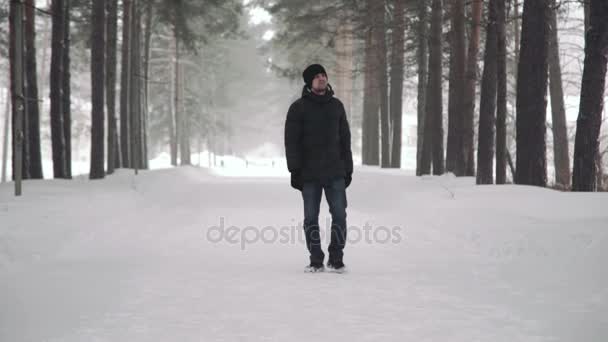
379, 29
487, 105
97, 89
67, 92
146, 67
561, 156
370, 131
16, 50
135, 87
46, 45
468, 136
422, 61
178, 109
173, 111
33, 112
531, 161
512, 138
455, 150
598, 157
56, 80
7, 114
501, 95
433, 126
397, 66
184, 132
111, 60
125, 85
17, 73
591, 107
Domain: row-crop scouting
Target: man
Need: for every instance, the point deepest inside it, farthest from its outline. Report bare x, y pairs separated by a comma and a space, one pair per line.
319, 158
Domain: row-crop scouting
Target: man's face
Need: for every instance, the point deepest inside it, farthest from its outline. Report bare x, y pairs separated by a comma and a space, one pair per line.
319, 83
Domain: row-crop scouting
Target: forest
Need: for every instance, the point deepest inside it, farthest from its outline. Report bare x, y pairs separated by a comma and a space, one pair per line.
506, 91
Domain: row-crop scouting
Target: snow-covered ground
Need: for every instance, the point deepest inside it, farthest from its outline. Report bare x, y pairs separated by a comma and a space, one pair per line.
137, 258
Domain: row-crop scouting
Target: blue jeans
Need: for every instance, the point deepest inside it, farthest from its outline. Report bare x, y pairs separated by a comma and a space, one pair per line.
335, 193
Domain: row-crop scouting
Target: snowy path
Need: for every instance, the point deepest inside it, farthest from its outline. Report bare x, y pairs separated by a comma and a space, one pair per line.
128, 259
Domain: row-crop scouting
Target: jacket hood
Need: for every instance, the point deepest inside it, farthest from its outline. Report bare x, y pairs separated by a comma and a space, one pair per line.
307, 93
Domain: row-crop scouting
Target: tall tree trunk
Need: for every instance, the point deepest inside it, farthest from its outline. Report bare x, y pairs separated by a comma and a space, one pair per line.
176, 93
455, 150
184, 132
365, 141
370, 132
598, 156
16, 50
422, 61
19, 107
31, 91
593, 86
511, 138
173, 112
67, 92
43, 78
501, 95
561, 156
97, 89
125, 85
24, 127
487, 105
111, 60
7, 114
468, 136
397, 66
56, 81
135, 87
531, 163
146, 67
433, 126
379, 29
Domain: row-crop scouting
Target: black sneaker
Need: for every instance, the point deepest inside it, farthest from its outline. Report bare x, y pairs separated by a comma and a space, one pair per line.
314, 268
336, 266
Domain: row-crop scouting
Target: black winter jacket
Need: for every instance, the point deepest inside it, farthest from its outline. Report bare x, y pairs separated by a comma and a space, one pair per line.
317, 139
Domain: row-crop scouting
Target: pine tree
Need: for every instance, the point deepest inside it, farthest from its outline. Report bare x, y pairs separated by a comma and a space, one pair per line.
422, 63
561, 155
531, 163
487, 106
432, 147
111, 60
470, 87
33, 153
396, 88
97, 89
56, 80
593, 87
455, 149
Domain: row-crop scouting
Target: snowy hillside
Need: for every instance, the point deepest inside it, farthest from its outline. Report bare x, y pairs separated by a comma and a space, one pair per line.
138, 259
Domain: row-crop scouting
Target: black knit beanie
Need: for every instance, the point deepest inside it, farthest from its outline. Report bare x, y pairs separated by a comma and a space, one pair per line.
311, 71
